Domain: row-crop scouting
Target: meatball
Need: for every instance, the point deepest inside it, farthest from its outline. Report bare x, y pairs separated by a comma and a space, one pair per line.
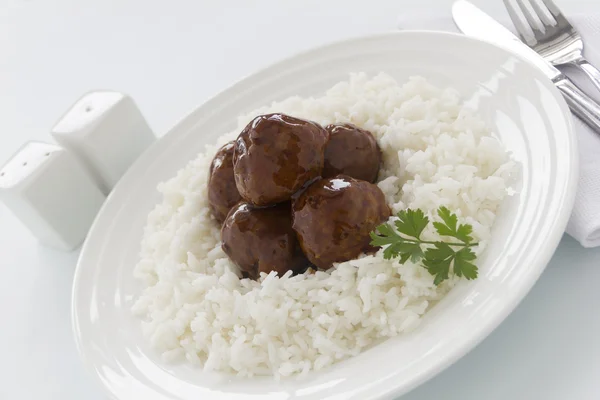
222, 192
275, 155
351, 151
333, 219
262, 240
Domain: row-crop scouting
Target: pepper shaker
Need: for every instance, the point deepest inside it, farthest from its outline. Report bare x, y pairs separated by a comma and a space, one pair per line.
107, 132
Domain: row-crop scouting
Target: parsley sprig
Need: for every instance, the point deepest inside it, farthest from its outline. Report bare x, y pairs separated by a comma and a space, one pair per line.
438, 257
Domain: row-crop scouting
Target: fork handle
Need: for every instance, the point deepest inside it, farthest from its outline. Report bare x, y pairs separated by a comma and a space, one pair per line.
580, 103
591, 71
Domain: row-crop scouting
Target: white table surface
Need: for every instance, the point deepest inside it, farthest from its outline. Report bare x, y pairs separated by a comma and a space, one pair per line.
171, 59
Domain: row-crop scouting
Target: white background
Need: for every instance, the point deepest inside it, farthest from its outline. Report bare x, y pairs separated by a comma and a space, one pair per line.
173, 55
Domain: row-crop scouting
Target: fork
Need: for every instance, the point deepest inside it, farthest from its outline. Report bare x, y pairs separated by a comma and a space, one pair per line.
558, 43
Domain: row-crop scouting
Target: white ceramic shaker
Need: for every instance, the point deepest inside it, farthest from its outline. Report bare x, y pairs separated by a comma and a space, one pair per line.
49, 190
107, 132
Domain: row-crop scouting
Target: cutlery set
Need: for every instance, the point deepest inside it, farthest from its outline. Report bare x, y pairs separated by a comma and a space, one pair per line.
547, 40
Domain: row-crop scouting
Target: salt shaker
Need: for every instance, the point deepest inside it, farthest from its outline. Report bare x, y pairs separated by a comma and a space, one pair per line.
48, 189
107, 132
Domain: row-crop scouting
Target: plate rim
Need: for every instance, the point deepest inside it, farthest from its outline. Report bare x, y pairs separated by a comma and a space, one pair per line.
184, 123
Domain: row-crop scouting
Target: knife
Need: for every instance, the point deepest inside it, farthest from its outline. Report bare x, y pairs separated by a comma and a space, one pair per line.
475, 23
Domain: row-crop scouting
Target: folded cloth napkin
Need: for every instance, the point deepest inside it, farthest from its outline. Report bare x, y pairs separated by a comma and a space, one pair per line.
584, 224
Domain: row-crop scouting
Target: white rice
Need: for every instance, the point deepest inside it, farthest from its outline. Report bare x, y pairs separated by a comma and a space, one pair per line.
195, 307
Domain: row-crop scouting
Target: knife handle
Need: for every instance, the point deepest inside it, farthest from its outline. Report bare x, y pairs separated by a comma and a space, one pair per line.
591, 71
580, 103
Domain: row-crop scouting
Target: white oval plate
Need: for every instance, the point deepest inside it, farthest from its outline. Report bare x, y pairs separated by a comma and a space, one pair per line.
518, 102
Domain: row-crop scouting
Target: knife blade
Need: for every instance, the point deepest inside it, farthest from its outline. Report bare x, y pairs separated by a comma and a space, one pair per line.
475, 23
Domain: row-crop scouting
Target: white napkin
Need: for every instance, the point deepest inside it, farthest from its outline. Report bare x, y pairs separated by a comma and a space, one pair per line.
584, 224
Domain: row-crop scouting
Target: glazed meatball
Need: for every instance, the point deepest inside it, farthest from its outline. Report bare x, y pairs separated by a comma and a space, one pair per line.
262, 240
351, 151
333, 218
222, 192
275, 155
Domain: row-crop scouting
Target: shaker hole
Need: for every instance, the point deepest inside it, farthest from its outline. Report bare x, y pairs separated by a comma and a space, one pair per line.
47, 154
1, 173
25, 164
88, 108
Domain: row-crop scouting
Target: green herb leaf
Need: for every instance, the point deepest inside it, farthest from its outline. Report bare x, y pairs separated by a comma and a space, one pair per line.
383, 237
462, 264
440, 252
411, 222
448, 217
449, 226
463, 233
466, 254
438, 268
437, 257
392, 251
404, 258
413, 250
403, 249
